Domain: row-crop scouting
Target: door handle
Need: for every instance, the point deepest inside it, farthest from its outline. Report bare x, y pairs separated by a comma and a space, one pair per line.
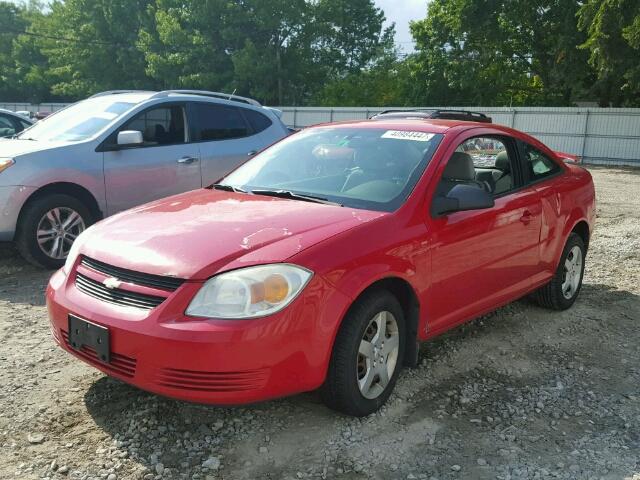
187, 160
526, 217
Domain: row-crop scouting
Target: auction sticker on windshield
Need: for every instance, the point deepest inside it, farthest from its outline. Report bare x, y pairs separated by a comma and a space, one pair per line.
408, 135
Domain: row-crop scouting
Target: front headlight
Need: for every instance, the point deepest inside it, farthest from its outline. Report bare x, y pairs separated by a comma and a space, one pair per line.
6, 163
73, 254
249, 292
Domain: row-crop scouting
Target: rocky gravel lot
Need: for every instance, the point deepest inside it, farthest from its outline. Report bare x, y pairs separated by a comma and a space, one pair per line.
521, 393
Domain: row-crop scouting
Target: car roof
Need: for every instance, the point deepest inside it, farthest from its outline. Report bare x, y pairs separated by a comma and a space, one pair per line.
139, 96
420, 125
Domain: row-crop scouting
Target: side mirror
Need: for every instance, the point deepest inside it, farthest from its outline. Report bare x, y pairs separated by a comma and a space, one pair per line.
130, 137
461, 198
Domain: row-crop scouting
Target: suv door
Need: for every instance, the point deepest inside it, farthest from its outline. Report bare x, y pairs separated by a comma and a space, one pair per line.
225, 138
164, 164
483, 258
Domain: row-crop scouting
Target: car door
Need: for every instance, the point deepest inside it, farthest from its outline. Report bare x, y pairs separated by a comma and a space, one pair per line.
539, 171
225, 138
484, 258
164, 164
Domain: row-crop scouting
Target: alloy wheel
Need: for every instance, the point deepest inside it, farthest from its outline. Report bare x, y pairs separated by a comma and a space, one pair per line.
572, 272
378, 355
57, 230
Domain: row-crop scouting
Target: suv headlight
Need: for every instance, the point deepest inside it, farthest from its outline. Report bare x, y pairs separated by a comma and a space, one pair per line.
6, 163
249, 292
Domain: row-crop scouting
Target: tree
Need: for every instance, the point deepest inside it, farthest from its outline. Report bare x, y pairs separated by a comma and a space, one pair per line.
184, 44
613, 28
91, 46
499, 52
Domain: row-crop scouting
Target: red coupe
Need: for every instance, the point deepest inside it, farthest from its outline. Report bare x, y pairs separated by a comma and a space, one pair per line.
323, 261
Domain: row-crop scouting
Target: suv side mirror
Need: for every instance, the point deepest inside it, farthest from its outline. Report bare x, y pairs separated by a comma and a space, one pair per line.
461, 198
130, 137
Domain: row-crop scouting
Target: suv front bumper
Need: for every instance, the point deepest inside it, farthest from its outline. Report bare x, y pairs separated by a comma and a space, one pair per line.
12, 198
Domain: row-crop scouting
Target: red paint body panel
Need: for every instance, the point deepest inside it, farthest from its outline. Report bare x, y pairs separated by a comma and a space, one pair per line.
459, 266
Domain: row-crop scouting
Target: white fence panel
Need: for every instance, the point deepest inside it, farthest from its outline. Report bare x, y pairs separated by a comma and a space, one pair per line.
599, 135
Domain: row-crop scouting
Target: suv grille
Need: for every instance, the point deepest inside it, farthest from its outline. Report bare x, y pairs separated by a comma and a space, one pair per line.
116, 295
144, 279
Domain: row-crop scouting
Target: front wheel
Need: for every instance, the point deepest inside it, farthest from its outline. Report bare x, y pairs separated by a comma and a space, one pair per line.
561, 292
48, 227
367, 355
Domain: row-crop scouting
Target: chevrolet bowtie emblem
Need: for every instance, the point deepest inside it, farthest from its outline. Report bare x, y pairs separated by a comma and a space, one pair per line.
111, 283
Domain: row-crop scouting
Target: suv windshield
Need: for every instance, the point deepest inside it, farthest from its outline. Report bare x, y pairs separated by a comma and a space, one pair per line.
77, 122
369, 168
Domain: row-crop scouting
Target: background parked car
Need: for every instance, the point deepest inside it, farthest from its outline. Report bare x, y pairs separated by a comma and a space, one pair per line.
117, 150
12, 123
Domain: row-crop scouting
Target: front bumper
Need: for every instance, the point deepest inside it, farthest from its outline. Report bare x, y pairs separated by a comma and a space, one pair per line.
207, 361
12, 199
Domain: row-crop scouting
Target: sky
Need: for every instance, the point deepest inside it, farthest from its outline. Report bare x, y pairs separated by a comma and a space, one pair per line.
401, 12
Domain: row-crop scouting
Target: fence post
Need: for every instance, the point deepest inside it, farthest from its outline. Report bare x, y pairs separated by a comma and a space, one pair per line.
513, 118
330, 114
584, 138
295, 117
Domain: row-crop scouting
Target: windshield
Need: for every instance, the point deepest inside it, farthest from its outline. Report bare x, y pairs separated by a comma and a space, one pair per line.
369, 168
77, 122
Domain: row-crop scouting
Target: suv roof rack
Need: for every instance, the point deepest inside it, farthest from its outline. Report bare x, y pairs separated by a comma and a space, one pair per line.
118, 92
445, 114
224, 96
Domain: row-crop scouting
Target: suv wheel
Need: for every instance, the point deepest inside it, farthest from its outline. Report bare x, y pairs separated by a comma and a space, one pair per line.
367, 356
48, 227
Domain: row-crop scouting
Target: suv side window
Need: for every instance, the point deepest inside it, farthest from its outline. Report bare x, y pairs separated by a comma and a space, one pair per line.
493, 162
159, 126
258, 121
537, 164
211, 121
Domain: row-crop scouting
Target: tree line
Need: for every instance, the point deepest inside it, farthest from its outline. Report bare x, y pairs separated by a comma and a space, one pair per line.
325, 52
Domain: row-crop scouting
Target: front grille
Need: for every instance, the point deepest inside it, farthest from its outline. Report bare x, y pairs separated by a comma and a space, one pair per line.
197, 380
119, 364
116, 296
145, 279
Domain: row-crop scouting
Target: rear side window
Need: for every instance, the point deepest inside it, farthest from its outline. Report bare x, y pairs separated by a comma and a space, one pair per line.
258, 121
217, 122
537, 164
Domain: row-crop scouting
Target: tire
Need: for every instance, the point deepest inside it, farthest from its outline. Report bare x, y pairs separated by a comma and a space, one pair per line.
348, 367
554, 294
34, 218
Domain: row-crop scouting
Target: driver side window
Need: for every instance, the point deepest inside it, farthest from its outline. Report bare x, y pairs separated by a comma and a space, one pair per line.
159, 126
484, 161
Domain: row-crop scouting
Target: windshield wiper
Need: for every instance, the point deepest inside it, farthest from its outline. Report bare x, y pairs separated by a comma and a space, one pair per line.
295, 196
228, 188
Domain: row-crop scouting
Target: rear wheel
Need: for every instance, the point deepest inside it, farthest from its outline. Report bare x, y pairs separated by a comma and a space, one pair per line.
367, 356
48, 227
561, 292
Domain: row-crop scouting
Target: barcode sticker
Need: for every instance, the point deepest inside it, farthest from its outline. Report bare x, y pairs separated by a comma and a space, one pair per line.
408, 135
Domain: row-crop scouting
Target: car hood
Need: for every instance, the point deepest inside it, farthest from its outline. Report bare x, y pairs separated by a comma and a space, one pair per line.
197, 234
12, 147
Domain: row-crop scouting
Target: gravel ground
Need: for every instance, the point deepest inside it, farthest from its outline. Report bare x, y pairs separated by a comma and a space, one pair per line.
520, 393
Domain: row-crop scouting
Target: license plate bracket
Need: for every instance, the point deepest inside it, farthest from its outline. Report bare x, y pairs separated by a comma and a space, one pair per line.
83, 333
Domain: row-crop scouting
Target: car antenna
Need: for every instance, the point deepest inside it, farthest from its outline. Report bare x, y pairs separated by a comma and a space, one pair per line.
233, 93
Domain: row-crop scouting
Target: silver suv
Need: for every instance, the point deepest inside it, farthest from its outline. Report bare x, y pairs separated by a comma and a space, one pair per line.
117, 150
